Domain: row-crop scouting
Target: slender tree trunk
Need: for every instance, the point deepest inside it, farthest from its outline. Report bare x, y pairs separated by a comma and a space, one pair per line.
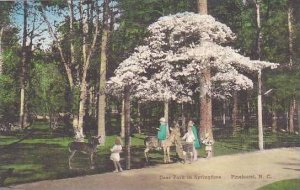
85, 30
102, 82
259, 114
70, 90
224, 113
82, 102
1, 50
91, 107
247, 114
183, 125
65, 63
123, 119
291, 59
84, 84
234, 112
23, 67
274, 121
127, 127
139, 117
291, 115
259, 99
166, 114
298, 109
287, 121
71, 14
205, 79
291, 32
202, 7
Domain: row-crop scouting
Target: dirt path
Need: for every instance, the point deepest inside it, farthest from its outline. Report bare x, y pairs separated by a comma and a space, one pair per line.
241, 171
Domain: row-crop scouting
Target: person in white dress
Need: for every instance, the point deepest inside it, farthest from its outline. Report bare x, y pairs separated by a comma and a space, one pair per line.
115, 154
189, 138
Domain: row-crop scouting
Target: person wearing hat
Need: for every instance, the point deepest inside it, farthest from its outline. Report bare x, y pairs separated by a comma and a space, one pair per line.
162, 131
197, 144
208, 145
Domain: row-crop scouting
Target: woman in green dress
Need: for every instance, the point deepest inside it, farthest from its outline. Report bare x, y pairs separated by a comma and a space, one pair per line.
162, 131
197, 144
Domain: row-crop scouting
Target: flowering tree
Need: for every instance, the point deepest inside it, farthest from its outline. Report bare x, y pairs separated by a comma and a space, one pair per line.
179, 48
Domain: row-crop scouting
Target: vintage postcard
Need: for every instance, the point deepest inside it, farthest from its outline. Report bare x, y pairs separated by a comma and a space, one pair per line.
149, 94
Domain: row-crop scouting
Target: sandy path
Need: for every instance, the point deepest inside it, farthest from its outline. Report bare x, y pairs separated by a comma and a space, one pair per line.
240, 171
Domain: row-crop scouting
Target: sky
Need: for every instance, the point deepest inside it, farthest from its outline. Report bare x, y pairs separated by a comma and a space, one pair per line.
43, 36
42, 33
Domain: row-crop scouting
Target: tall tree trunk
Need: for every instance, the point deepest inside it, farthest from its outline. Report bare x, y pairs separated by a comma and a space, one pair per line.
65, 63
224, 113
291, 26
286, 121
70, 90
166, 114
91, 110
298, 109
139, 119
183, 118
82, 102
1, 50
292, 35
247, 113
259, 114
202, 7
84, 84
102, 82
234, 112
23, 67
71, 14
291, 115
205, 99
259, 99
85, 29
127, 127
123, 119
274, 121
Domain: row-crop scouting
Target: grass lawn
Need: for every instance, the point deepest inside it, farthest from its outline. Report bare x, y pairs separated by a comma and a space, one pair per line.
44, 154
290, 184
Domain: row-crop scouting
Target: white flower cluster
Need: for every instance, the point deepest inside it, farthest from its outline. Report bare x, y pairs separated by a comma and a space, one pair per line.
177, 51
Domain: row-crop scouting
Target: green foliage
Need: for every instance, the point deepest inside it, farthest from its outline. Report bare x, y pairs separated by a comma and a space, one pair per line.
285, 86
8, 86
289, 184
275, 31
5, 9
49, 88
241, 20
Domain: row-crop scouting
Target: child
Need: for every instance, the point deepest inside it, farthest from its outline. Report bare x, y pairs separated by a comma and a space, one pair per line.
115, 154
189, 138
208, 145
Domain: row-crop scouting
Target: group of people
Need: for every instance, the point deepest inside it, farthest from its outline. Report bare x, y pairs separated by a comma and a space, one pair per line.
191, 138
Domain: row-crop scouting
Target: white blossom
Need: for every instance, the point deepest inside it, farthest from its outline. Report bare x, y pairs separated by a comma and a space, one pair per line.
174, 56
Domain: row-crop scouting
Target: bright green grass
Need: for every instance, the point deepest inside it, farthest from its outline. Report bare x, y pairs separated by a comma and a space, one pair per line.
290, 184
45, 155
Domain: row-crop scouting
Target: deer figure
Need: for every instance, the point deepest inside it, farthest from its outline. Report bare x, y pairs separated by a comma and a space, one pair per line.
89, 148
152, 143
